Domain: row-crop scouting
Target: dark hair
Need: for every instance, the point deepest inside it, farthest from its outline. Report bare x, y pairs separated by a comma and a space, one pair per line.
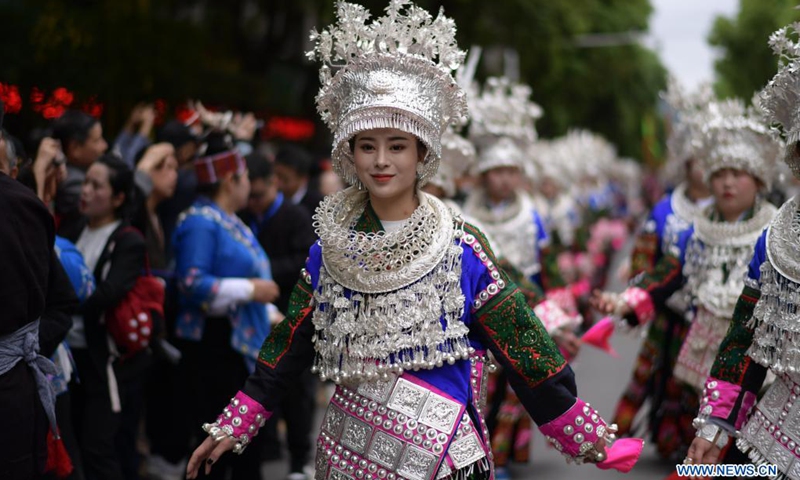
15, 148
215, 142
73, 126
258, 166
120, 177
176, 133
296, 158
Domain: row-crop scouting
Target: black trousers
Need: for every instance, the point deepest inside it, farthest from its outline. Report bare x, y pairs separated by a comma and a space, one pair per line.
23, 448
297, 410
107, 438
166, 422
214, 372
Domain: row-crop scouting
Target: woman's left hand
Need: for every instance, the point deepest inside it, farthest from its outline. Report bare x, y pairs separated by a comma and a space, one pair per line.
207, 454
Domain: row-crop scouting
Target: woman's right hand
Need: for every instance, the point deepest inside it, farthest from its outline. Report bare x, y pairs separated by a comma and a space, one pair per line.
264, 291
208, 454
701, 451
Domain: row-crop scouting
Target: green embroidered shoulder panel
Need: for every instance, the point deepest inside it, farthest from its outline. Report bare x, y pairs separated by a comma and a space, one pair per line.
666, 270
280, 338
732, 360
519, 336
645, 251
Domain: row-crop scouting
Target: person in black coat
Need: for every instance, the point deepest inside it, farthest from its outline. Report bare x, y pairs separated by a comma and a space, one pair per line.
293, 168
108, 398
33, 287
286, 234
283, 228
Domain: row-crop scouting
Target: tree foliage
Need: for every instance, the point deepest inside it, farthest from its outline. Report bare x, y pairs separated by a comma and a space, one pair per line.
249, 54
746, 62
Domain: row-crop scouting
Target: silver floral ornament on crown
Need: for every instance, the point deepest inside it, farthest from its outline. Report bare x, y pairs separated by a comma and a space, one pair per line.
394, 72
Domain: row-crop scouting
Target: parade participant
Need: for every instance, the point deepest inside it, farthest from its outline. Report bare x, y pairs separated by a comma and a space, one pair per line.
502, 128
672, 405
400, 298
763, 332
551, 195
224, 283
710, 259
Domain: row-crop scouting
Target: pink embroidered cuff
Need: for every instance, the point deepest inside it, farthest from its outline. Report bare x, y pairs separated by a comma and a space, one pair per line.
552, 316
576, 431
719, 399
641, 304
564, 299
240, 420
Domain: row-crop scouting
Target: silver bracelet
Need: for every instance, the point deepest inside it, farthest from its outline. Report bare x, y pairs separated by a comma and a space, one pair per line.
714, 434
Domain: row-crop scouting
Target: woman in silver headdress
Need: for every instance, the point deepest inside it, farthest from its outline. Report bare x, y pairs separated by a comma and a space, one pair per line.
674, 404
709, 260
400, 299
764, 332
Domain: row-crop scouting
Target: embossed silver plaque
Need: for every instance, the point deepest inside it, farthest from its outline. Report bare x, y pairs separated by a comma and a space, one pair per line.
356, 435
416, 464
385, 450
407, 398
465, 451
440, 413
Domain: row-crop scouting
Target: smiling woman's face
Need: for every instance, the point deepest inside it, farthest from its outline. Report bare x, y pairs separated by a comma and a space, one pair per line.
386, 162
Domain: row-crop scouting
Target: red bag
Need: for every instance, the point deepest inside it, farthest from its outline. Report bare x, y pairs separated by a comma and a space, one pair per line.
130, 323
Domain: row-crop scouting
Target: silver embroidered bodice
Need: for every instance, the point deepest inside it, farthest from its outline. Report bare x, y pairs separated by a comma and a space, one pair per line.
514, 232
776, 318
386, 302
717, 257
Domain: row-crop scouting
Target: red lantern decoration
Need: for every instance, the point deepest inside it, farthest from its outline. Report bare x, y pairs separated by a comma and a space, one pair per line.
289, 128
93, 107
11, 98
62, 96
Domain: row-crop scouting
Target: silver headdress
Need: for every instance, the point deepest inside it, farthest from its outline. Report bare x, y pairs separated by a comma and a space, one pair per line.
780, 99
685, 138
737, 137
587, 153
502, 124
458, 155
392, 73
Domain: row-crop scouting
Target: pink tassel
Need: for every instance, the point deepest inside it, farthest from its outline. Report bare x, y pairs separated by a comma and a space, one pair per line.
623, 455
599, 334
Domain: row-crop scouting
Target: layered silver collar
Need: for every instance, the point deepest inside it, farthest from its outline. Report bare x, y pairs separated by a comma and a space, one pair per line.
376, 262
513, 230
735, 234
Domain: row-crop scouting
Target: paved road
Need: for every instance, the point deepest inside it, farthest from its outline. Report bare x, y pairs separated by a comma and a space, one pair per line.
600, 380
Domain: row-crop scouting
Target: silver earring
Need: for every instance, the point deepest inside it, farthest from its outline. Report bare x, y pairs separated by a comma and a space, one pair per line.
420, 169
